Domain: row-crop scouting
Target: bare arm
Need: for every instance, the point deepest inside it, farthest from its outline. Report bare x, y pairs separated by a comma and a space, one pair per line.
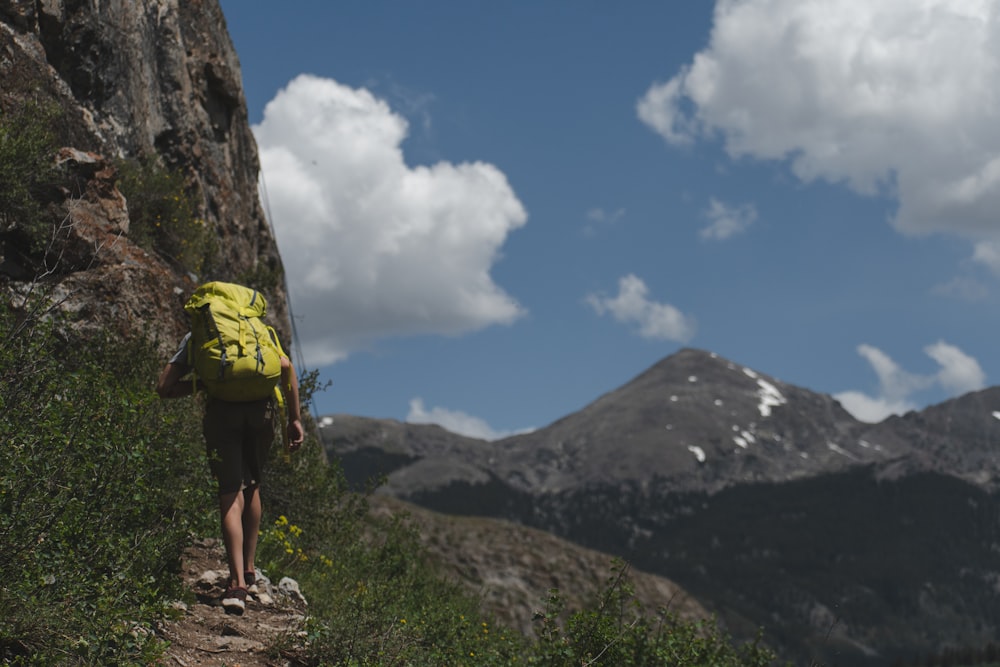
170, 384
290, 388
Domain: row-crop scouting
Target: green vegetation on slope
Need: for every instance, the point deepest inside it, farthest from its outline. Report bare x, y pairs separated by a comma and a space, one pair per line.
104, 485
101, 487
27, 171
163, 215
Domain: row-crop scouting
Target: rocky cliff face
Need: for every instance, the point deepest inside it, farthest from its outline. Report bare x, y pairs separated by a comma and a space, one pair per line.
141, 79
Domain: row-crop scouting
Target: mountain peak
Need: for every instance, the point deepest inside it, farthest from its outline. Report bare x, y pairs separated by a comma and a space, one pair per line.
694, 420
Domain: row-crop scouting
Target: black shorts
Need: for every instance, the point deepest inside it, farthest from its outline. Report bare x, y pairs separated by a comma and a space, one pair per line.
238, 438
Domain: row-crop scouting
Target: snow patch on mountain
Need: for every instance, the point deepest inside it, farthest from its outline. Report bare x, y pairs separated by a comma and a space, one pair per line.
698, 452
770, 397
833, 447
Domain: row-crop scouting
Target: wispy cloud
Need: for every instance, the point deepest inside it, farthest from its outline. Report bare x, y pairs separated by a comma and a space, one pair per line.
632, 305
958, 374
599, 218
725, 221
987, 253
456, 422
963, 288
373, 247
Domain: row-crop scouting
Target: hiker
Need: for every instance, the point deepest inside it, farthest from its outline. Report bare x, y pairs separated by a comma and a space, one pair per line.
238, 431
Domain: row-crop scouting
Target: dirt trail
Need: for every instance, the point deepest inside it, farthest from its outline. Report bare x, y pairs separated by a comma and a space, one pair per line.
206, 635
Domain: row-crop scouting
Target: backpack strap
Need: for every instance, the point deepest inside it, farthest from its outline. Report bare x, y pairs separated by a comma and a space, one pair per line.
190, 363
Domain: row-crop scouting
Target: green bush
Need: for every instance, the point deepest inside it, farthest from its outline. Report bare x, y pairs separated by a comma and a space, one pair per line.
163, 216
263, 276
373, 599
99, 492
616, 630
27, 151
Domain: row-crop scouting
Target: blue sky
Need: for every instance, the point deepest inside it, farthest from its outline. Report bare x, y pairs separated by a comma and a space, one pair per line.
493, 213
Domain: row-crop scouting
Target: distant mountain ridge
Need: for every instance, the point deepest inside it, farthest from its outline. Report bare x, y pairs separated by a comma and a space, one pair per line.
769, 502
694, 420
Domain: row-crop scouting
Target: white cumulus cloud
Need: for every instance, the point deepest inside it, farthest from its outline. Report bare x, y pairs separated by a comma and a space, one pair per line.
632, 305
374, 247
895, 97
958, 374
455, 421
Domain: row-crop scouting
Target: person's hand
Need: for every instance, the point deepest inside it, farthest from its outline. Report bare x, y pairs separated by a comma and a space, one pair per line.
296, 434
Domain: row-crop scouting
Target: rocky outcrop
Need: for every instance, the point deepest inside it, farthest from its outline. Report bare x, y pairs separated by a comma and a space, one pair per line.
512, 569
135, 79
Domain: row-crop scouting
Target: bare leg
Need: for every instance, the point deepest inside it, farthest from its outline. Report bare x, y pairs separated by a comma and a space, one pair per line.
231, 508
251, 525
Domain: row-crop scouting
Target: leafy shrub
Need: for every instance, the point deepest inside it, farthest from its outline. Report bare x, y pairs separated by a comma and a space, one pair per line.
262, 277
99, 491
27, 149
373, 599
163, 216
616, 630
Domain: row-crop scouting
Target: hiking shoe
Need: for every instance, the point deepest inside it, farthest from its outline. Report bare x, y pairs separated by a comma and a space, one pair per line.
251, 581
234, 601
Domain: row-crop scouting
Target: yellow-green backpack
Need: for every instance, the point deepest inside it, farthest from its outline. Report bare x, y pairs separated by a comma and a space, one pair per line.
232, 351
